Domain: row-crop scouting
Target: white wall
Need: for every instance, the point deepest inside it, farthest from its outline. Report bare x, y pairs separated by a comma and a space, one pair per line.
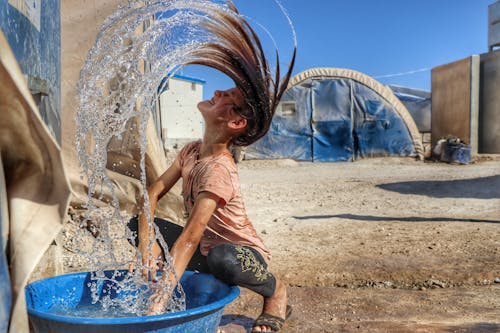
180, 119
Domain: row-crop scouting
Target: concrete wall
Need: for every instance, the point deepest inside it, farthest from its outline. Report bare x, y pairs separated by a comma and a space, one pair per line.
489, 110
180, 119
455, 101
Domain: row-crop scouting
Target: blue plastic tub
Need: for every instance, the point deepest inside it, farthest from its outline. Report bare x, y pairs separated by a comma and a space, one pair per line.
206, 298
457, 153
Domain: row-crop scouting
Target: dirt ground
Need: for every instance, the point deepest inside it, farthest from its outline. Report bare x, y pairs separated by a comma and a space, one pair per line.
378, 245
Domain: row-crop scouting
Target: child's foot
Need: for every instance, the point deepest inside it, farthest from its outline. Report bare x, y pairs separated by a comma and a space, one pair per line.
274, 311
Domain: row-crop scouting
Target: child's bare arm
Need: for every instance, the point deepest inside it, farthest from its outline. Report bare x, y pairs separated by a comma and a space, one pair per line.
186, 244
148, 246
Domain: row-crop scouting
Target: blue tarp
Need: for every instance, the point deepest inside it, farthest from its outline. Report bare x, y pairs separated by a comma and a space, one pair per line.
418, 103
334, 119
5, 289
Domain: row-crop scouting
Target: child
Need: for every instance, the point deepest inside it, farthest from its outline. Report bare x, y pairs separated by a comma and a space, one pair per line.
218, 238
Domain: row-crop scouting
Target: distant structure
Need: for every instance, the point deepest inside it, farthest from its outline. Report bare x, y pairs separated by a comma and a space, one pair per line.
180, 121
418, 103
465, 99
494, 25
338, 114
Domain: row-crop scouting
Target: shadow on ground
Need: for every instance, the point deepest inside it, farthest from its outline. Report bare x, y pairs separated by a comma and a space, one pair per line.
478, 188
243, 322
479, 328
395, 219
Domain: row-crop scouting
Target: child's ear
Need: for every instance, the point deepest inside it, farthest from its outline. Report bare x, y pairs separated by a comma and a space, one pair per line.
237, 123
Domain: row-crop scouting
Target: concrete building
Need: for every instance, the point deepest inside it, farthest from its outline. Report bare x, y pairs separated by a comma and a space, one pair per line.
494, 26
465, 99
180, 121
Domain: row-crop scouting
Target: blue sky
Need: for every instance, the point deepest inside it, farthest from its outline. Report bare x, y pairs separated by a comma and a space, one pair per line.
376, 37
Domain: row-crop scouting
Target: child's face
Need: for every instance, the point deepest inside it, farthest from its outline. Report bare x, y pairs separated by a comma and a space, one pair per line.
220, 106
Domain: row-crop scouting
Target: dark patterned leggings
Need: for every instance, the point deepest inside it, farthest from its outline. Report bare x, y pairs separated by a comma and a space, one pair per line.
233, 264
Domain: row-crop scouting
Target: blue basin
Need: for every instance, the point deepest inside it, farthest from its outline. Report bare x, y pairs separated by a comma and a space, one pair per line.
206, 298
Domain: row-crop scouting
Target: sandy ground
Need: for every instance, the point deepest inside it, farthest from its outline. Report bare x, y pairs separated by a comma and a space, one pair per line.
378, 245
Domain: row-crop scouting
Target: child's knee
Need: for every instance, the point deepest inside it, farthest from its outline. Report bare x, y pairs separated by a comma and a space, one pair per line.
223, 264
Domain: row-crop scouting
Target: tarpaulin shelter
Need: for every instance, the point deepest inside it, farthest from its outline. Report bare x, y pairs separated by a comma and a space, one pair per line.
334, 114
418, 103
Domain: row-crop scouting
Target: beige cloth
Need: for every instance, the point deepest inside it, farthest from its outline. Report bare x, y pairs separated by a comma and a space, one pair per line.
36, 185
84, 19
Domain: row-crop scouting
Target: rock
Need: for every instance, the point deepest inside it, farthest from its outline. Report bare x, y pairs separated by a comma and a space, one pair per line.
437, 283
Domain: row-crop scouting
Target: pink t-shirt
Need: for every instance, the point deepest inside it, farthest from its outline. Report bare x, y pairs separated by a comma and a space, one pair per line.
218, 175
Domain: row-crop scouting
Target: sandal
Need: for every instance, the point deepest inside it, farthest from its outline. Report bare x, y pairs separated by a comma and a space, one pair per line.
275, 323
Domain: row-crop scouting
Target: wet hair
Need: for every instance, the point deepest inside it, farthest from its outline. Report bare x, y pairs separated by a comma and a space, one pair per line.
238, 53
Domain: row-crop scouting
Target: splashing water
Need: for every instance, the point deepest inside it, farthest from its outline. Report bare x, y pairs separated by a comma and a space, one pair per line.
136, 48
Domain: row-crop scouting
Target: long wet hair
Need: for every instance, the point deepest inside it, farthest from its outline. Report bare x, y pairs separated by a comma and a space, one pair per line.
238, 53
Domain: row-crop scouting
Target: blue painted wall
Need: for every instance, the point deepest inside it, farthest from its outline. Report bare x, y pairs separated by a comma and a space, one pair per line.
39, 55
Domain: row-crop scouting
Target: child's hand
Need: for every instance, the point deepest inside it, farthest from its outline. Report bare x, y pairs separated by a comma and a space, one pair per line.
151, 259
158, 302
151, 256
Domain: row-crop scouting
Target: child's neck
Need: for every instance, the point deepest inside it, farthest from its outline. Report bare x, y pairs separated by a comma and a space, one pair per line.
215, 142
208, 149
